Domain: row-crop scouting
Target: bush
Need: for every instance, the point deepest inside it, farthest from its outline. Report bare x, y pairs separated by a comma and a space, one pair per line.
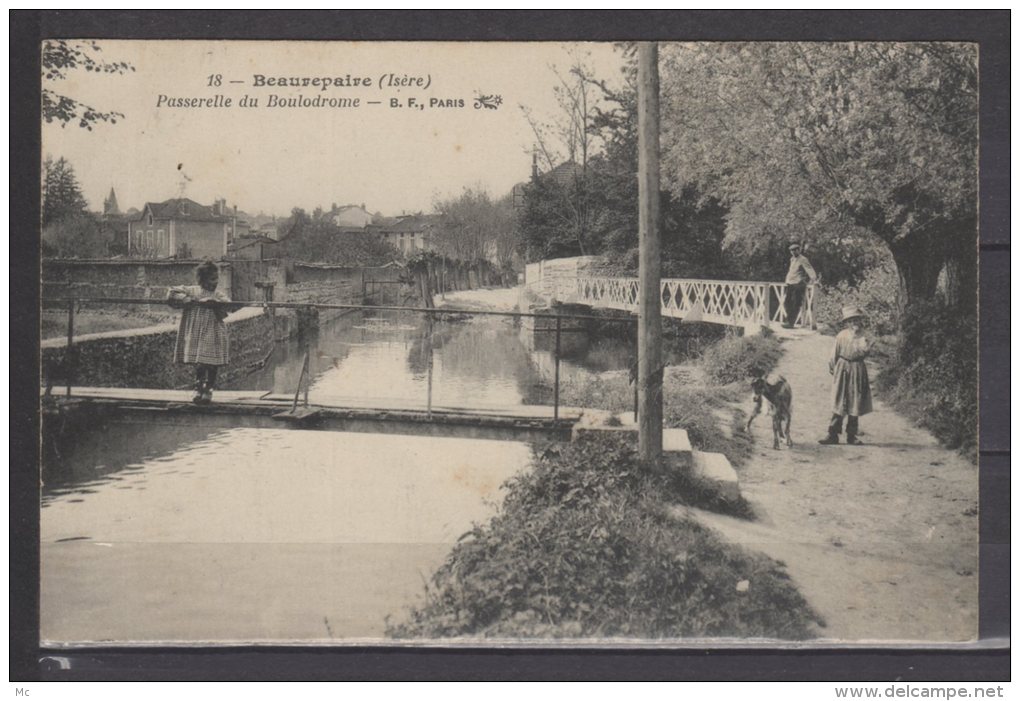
876, 294
686, 404
932, 375
585, 546
736, 358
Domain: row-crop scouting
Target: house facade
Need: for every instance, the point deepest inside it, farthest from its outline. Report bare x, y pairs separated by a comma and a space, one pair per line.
183, 228
410, 234
352, 217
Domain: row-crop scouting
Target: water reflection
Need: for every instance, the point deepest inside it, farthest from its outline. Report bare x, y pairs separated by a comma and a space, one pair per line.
386, 357
248, 534
112, 452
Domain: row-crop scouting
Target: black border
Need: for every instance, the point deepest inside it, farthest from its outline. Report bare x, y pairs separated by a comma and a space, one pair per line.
988, 28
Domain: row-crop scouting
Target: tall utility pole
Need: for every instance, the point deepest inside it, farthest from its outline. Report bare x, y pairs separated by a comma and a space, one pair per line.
650, 266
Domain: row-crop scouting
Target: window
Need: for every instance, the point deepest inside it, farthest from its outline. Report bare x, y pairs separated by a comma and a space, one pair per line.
161, 241
149, 222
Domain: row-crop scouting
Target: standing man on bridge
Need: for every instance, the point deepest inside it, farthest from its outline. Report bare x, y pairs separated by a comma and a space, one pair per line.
798, 277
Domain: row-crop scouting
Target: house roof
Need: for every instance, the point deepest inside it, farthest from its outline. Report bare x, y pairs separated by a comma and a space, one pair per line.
413, 223
565, 174
360, 230
182, 208
246, 241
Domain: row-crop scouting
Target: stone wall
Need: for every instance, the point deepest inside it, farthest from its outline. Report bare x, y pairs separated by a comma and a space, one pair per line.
556, 279
307, 272
322, 284
144, 357
106, 279
251, 278
389, 286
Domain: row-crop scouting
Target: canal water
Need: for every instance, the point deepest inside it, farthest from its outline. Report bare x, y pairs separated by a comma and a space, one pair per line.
184, 533
385, 358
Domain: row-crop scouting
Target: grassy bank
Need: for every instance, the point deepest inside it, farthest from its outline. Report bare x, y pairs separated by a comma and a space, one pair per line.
590, 543
53, 324
929, 373
586, 545
698, 396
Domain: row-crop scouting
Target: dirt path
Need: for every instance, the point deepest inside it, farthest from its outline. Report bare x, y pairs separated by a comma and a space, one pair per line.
880, 538
496, 299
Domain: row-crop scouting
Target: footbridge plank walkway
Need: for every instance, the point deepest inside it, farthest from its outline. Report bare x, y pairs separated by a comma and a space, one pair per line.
262, 409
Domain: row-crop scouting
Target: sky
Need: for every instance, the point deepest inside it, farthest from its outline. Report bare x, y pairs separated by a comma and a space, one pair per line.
271, 159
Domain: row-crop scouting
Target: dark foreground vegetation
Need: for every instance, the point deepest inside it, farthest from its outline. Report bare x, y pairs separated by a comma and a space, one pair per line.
930, 373
590, 543
587, 545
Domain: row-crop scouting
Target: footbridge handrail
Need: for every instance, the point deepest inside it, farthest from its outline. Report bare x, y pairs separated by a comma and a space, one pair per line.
71, 304
731, 302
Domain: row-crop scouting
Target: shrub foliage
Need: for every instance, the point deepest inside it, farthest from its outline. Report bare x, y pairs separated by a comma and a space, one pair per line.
932, 376
585, 546
736, 358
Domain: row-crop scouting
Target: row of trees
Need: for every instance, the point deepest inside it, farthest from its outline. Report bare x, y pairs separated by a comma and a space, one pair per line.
843, 145
69, 229
473, 227
867, 153
859, 150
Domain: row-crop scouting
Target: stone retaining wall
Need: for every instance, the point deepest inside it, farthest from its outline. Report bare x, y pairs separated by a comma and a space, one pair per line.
144, 357
556, 279
106, 279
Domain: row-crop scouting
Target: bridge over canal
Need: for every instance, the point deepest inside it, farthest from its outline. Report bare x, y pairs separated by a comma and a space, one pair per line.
746, 304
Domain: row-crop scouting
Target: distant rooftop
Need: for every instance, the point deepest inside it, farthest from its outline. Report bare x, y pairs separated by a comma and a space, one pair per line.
183, 208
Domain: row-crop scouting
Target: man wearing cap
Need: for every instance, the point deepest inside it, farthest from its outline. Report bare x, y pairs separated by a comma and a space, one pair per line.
851, 391
797, 278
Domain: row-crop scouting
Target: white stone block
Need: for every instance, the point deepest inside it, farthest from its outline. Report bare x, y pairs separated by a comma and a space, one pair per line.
675, 440
716, 468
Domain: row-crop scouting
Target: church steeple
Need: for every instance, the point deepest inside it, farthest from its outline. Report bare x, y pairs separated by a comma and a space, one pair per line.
110, 204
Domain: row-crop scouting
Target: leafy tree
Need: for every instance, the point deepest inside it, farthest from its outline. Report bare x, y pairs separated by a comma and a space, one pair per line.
692, 225
60, 56
75, 236
312, 240
548, 229
831, 142
61, 193
561, 207
473, 226
68, 228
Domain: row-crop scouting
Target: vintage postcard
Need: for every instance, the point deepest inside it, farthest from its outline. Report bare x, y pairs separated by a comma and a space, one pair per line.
341, 343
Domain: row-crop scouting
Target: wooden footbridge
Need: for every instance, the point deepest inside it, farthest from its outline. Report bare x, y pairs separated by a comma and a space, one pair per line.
751, 305
72, 403
254, 409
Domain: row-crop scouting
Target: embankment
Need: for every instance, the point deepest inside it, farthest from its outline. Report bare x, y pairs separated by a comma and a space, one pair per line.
144, 357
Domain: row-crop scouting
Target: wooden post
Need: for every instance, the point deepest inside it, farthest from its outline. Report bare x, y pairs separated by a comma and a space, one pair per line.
69, 353
429, 351
301, 381
556, 380
649, 262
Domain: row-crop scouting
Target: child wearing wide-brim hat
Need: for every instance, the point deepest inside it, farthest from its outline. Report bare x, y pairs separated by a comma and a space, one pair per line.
851, 390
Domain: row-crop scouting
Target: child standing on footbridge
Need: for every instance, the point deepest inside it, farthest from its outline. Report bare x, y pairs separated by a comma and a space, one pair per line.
202, 339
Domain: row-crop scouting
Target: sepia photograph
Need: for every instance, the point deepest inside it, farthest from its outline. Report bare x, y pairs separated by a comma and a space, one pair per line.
405, 343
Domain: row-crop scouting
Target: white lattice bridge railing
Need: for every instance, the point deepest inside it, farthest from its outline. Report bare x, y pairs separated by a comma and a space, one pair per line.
718, 301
